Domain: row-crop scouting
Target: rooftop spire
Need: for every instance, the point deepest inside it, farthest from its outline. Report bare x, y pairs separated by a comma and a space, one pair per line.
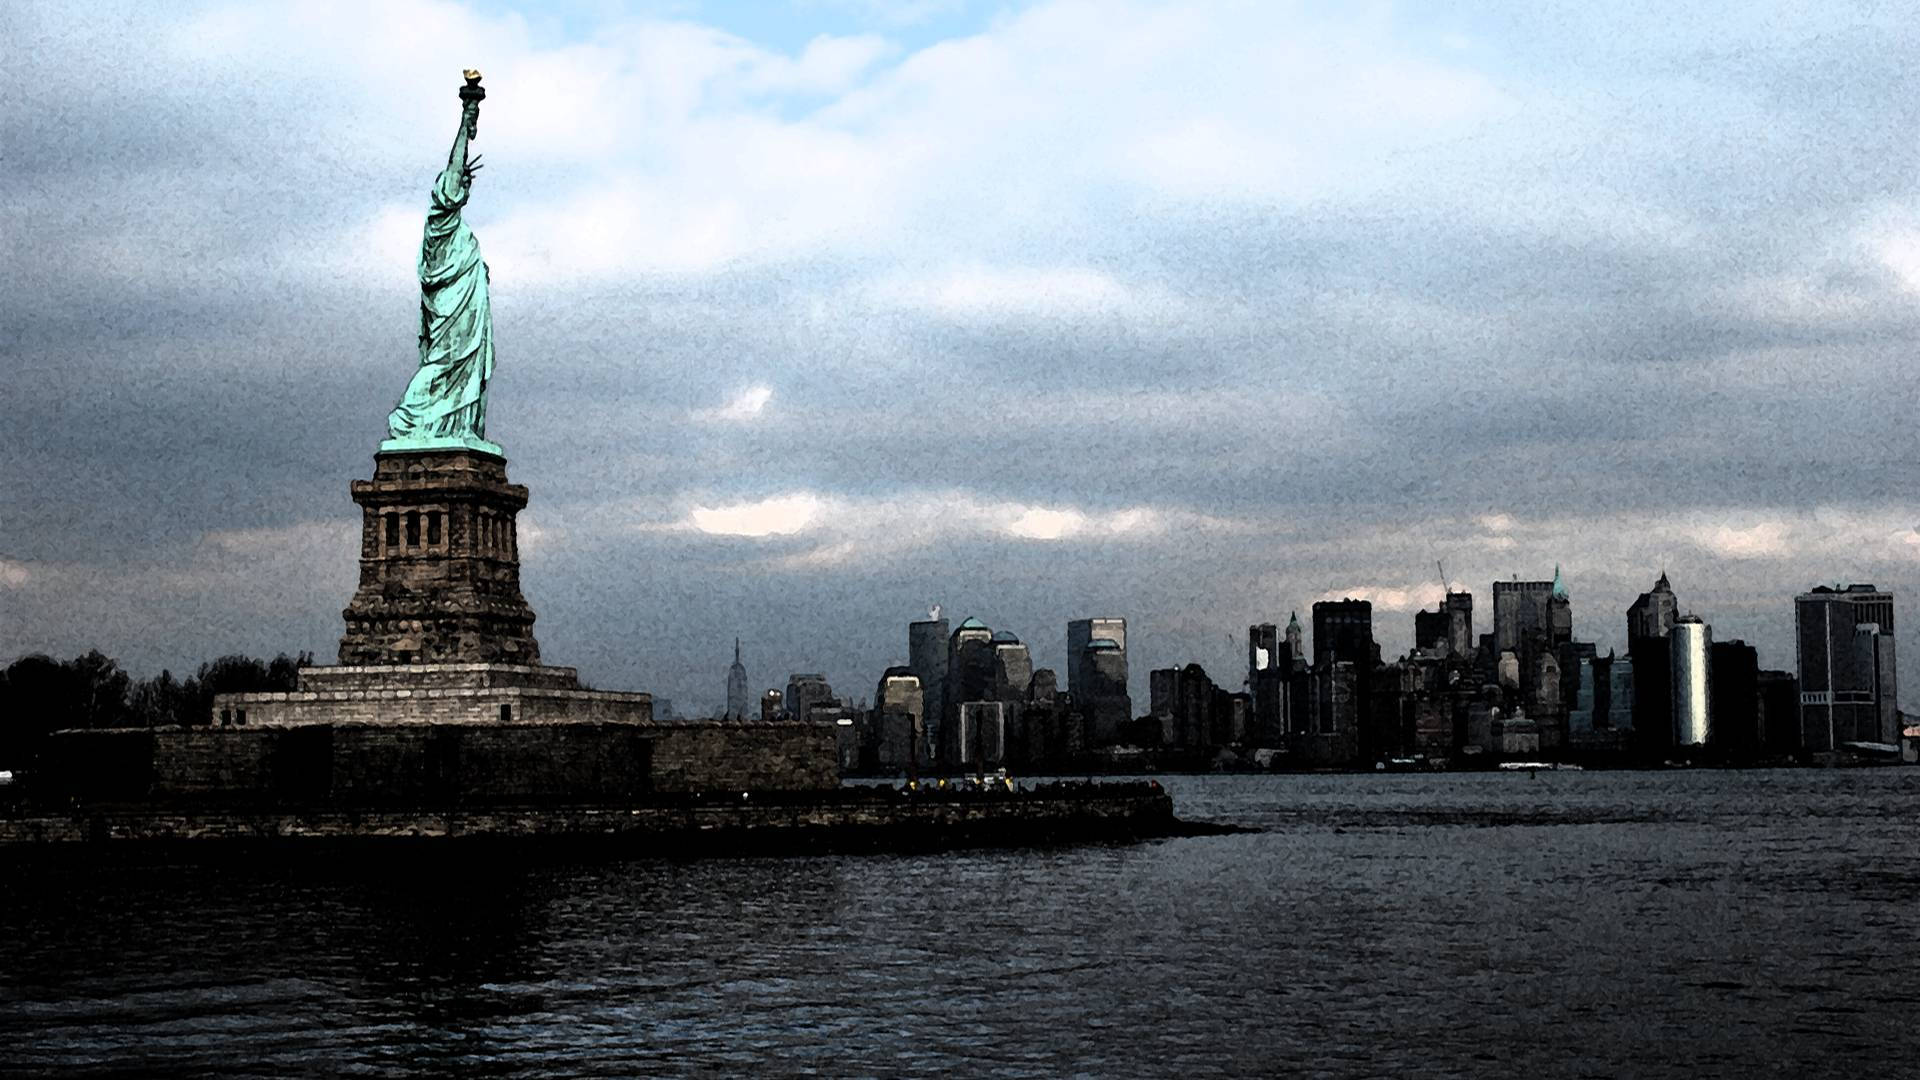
1559, 584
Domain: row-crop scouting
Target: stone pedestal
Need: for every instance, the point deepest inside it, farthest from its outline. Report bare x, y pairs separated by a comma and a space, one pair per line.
439, 564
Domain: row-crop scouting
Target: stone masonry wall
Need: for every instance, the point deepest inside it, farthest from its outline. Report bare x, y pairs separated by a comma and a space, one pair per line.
435, 764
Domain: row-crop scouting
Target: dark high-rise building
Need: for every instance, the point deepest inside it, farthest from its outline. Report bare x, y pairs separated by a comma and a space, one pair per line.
1343, 634
1848, 692
1012, 676
1521, 610
927, 657
1430, 632
1333, 739
1097, 676
1196, 714
1650, 620
1779, 694
1653, 614
969, 678
899, 708
1106, 704
1270, 664
772, 705
804, 692
1263, 648
1458, 607
1735, 674
737, 686
1344, 630
1080, 634
1525, 611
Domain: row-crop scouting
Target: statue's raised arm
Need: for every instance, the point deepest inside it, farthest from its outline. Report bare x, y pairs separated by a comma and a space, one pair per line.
445, 404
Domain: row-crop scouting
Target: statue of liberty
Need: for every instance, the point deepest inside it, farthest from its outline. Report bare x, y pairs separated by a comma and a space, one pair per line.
445, 405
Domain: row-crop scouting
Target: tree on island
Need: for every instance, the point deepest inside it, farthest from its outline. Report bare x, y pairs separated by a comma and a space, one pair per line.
39, 694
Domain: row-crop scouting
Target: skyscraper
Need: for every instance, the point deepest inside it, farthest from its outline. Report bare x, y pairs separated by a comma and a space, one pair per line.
737, 686
1269, 670
1529, 613
1848, 692
1652, 615
804, 691
899, 707
1649, 622
1106, 704
969, 679
1344, 629
1737, 726
1691, 649
927, 656
1447, 630
1080, 634
1344, 658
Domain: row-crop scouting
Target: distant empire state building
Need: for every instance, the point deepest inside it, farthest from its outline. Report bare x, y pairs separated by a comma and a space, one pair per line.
737, 686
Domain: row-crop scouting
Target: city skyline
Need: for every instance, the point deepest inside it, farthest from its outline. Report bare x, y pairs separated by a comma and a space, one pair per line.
812, 316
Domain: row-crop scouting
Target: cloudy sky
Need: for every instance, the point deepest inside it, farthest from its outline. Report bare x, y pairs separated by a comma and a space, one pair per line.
812, 314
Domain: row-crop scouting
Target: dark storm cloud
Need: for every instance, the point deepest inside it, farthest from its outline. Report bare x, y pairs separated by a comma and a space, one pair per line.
1194, 346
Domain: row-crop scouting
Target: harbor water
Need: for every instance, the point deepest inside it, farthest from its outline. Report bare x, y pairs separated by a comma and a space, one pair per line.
1576, 924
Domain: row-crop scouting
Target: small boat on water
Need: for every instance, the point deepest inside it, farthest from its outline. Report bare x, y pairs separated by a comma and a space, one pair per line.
1542, 766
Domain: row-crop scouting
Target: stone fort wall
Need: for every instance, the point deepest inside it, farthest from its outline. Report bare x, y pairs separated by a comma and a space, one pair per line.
419, 763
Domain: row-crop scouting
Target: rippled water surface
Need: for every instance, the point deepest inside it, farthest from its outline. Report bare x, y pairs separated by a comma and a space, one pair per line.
1564, 924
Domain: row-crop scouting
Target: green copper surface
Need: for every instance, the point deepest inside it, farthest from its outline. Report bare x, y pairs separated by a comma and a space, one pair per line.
441, 442
445, 404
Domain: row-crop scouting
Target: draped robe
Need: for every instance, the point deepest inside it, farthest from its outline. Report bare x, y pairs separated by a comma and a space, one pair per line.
447, 398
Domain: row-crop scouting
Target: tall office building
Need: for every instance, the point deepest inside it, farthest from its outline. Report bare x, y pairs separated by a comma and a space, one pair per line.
1080, 634
1012, 677
1446, 631
1737, 725
1105, 703
1459, 609
1343, 635
737, 686
899, 708
1650, 620
1848, 692
1296, 648
1653, 614
1344, 630
1269, 672
1530, 613
772, 705
804, 691
1012, 667
1691, 651
927, 656
969, 679
1263, 648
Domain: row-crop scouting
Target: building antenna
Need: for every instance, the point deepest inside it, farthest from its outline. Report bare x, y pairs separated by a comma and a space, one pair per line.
1445, 585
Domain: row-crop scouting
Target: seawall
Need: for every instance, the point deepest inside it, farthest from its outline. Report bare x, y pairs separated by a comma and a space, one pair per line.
853, 822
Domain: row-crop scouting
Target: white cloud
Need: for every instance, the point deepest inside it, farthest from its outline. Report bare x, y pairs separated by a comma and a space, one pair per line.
781, 515
1764, 540
745, 405
845, 527
1389, 597
978, 292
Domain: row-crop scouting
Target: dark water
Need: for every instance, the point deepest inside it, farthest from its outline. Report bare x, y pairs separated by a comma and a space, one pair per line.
1570, 924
